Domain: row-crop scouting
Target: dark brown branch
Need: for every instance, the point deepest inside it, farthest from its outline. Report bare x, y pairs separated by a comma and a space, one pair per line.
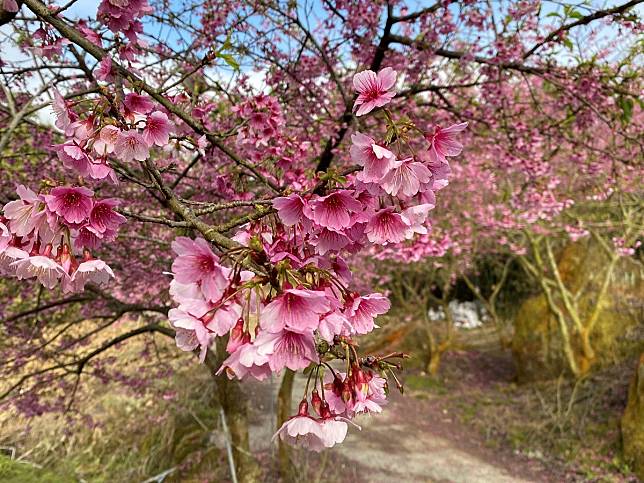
453, 54
582, 21
80, 363
414, 15
347, 117
57, 303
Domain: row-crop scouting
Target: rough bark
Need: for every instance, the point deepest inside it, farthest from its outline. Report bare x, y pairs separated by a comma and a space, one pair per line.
233, 402
633, 422
284, 411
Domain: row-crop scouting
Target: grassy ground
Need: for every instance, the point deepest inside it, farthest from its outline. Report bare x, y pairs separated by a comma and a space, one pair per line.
120, 435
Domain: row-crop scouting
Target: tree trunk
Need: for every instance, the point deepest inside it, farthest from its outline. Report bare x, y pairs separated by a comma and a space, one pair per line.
283, 413
431, 341
233, 403
434, 363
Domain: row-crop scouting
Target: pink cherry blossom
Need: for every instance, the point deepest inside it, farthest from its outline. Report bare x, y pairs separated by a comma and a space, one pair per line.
183, 320
362, 310
334, 431
91, 271
10, 255
334, 211
197, 263
377, 161
416, 217
374, 90
406, 178
328, 240
73, 157
440, 169
83, 129
103, 217
246, 361
46, 270
296, 309
138, 103
289, 209
185, 339
100, 170
26, 214
74, 204
443, 141
286, 349
130, 145
64, 116
387, 226
104, 70
190, 298
370, 396
5, 236
88, 237
157, 129
106, 141
333, 324
302, 430
223, 319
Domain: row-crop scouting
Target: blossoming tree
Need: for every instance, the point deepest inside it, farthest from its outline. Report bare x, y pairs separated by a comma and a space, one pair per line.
214, 166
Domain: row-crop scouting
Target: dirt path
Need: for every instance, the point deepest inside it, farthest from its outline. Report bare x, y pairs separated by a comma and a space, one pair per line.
407, 443
413, 440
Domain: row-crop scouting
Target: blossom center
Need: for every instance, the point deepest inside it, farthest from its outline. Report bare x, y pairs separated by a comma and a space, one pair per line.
71, 199
206, 264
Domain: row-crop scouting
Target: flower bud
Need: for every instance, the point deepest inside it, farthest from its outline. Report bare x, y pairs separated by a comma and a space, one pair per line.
316, 401
236, 338
338, 385
325, 412
358, 375
346, 393
303, 409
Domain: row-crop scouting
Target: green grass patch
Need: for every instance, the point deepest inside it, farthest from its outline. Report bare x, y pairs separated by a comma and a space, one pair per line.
12, 471
425, 383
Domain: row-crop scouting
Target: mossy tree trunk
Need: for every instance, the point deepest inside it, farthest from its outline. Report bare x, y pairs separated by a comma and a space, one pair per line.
633, 422
284, 411
234, 404
566, 285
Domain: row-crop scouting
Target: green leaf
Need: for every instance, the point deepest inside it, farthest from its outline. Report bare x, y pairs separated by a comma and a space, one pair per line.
626, 105
568, 43
230, 60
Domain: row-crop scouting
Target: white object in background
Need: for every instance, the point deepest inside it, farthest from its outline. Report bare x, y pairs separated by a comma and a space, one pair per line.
466, 315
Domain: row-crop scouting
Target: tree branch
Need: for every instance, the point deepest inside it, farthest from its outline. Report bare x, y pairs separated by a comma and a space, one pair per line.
582, 21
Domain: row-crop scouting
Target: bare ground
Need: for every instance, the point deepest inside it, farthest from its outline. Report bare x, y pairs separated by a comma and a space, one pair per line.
415, 439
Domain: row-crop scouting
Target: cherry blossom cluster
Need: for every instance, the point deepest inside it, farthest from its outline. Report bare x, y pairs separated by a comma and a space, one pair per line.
47, 44
343, 397
299, 311
300, 317
264, 120
272, 323
92, 140
49, 237
124, 16
391, 195
261, 137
